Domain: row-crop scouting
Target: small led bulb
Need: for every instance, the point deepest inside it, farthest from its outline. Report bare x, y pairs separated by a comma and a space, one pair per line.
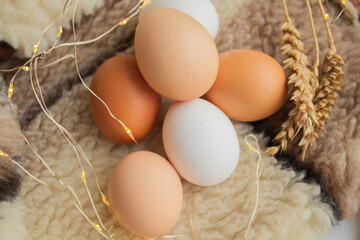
106, 202
124, 21
83, 177
60, 30
3, 154
36, 47
98, 227
11, 90
26, 68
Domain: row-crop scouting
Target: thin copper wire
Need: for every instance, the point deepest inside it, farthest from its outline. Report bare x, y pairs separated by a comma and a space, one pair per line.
65, 133
77, 149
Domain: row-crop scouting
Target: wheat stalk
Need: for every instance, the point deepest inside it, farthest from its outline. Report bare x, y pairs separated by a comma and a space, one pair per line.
310, 135
316, 43
331, 81
302, 83
330, 85
313, 101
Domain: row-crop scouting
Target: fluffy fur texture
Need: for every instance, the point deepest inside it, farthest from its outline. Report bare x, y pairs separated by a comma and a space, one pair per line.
22, 22
293, 205
12, 225
289, 208
11, 142
63, 76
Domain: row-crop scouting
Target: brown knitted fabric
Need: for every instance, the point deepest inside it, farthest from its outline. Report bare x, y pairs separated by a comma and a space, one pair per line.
334, 158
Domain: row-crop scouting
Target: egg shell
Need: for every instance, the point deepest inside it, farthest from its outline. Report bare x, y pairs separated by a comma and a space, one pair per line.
250, 85
202, 11
120, 84
145, 194
176, 55
201, 142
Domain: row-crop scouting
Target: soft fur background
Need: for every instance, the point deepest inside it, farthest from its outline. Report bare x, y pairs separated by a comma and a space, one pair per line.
290, 208
32, 17
11, 142
12, 221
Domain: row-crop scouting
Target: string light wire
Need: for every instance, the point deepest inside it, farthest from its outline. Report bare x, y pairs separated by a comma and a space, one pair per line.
344, 7
54, 189
80, 154
67, 136
133, 12
259, 169
39, 96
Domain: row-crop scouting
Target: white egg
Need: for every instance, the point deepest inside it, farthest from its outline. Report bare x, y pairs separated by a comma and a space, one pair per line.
201, 142
202, 10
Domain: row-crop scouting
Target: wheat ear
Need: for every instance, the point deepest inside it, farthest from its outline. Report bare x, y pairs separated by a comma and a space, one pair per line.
309, 138
303, 117
332, 78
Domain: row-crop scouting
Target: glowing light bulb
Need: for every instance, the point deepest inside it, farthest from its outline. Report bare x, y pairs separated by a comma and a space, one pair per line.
60, 30
36, 47
83, 177
343, 2
26, 68
327, 16
128, 131
11, 90
124, 21
105, 200
98, 227
3, 154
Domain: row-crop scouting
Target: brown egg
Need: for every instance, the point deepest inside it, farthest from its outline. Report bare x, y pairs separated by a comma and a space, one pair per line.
119, 83
145, 194
176, 54
250, 85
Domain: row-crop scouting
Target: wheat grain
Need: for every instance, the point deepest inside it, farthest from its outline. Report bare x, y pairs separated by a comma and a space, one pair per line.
312, 100
330, 85
302, 118
331, 80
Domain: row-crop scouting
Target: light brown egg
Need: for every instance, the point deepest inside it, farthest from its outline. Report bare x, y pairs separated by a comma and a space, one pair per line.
145, 194
250, 85
176, 54
119, 83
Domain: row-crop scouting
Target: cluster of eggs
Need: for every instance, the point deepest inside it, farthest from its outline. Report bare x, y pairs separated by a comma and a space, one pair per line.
176, 57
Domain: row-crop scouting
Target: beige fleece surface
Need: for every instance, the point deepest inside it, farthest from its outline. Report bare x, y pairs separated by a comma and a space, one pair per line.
23, 21
288, 209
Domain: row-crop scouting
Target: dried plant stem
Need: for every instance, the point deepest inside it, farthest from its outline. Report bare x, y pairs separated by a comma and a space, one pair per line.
303, 118
313, 100
332, 78
286, 12
327, 26
330, 85
316, 61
